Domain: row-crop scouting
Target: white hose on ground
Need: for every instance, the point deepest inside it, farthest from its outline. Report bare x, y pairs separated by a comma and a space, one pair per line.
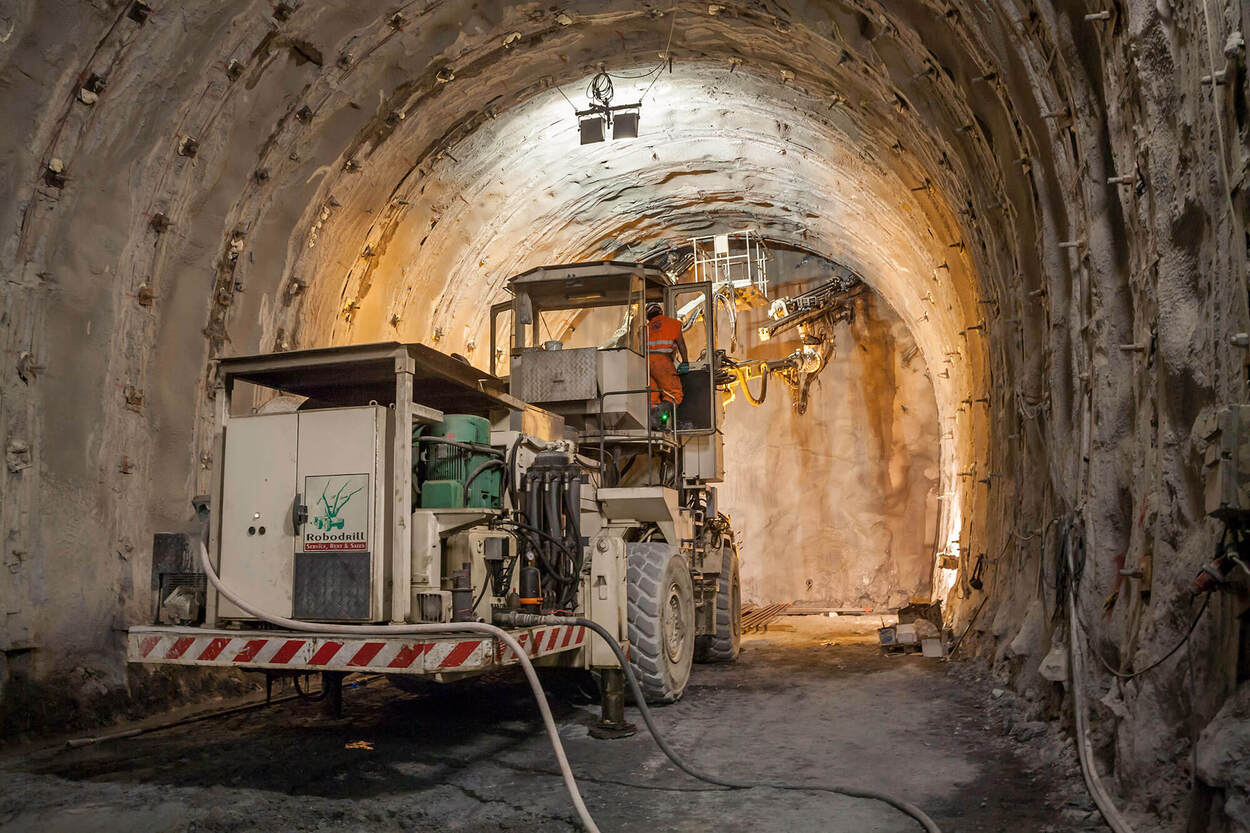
400, 630
1086, 753
640, 701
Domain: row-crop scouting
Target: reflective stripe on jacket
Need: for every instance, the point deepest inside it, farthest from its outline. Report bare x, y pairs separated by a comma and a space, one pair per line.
662, 334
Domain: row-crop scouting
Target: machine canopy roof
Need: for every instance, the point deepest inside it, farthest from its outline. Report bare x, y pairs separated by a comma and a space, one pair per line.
602, 283
360, 373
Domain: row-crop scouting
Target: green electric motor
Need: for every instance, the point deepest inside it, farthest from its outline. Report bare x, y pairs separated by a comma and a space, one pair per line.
455, 465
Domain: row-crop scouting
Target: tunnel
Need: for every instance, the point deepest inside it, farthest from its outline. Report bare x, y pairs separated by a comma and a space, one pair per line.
1044, 198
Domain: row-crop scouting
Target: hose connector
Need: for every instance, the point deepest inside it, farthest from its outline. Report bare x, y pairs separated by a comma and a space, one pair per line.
512, 619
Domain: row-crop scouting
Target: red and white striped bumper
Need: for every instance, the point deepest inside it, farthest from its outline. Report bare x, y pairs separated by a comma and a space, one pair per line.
389, 655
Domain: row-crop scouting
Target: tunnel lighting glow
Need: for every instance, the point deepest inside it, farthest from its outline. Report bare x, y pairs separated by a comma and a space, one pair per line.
594, 121
708, 139
593, 124
625, 126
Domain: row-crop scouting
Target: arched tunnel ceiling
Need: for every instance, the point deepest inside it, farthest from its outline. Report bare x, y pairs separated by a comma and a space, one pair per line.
837, 128
788, 143
301, 174
714, 154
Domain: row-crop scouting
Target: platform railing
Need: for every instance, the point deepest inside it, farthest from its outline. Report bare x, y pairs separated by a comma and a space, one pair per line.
651, 433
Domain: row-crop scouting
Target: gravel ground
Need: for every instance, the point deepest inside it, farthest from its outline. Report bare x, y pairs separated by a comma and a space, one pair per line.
812, 700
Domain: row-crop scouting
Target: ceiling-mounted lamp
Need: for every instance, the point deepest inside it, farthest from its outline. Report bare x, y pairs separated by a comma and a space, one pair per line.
595, 121
625, 125
592, 127
594, 124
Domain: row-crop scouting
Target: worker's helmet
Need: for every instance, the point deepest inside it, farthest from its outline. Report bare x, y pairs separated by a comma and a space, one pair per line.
653, 310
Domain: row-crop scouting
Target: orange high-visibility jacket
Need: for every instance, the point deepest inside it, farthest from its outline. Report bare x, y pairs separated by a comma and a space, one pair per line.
662, 335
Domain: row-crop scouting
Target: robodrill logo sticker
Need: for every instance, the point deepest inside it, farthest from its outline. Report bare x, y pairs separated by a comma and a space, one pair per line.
338, 514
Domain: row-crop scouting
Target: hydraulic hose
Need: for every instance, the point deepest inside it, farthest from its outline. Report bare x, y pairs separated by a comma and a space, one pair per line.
530, 620
478, 472
746, 390
553, 734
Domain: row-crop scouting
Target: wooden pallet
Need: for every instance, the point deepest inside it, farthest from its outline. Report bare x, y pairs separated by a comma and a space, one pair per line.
759, 618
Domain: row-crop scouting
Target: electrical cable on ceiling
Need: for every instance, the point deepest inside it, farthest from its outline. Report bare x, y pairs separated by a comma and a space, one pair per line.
622, 76
668, 56
569, 100
601, 90
654, 71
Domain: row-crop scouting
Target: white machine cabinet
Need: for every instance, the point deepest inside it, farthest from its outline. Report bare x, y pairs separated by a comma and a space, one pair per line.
303, 521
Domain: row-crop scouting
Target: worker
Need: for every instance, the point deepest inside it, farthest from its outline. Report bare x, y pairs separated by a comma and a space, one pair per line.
663, 339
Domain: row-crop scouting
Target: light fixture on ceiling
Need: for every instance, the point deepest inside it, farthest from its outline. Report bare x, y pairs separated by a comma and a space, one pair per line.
625, 124
596, 120
591, 127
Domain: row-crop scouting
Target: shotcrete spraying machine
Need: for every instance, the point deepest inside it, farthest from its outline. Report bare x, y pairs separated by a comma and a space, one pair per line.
383, 484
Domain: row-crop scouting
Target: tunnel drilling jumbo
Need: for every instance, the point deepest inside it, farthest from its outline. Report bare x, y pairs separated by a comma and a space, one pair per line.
391, 483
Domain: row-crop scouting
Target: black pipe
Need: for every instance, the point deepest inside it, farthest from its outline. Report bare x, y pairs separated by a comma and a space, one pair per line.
510, 471
553, 491
572, 531
555, 528
533, 500
481, 469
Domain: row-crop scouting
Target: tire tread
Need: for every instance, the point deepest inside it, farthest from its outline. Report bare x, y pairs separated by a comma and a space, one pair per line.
647, 564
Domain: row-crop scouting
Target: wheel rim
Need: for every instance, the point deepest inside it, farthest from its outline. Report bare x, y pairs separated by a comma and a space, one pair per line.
675, 625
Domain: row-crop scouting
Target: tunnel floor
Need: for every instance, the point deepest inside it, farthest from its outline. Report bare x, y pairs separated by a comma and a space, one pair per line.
811, 699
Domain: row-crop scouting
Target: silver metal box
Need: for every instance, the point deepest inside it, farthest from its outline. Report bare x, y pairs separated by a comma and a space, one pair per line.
621, 370
703, 457
571, 382
331, 465
552, 376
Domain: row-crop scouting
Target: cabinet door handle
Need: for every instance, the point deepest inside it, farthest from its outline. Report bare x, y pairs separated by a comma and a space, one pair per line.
299, 513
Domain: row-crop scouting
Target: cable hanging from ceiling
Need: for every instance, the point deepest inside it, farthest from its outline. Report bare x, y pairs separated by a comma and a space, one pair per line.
601, 88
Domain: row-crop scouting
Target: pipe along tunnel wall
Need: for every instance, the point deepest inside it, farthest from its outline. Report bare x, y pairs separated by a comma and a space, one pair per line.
1047, 194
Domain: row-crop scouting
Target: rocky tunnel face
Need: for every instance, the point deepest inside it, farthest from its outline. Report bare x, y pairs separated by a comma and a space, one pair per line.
1040, 195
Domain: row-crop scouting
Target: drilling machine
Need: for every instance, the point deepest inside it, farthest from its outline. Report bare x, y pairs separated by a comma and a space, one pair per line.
391, 483
814, 314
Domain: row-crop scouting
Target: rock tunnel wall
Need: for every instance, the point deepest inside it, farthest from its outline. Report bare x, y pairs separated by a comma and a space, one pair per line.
1048, 194
851, 514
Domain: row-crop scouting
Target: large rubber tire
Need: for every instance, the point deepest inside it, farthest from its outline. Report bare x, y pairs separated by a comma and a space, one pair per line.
726, 643
660, 594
